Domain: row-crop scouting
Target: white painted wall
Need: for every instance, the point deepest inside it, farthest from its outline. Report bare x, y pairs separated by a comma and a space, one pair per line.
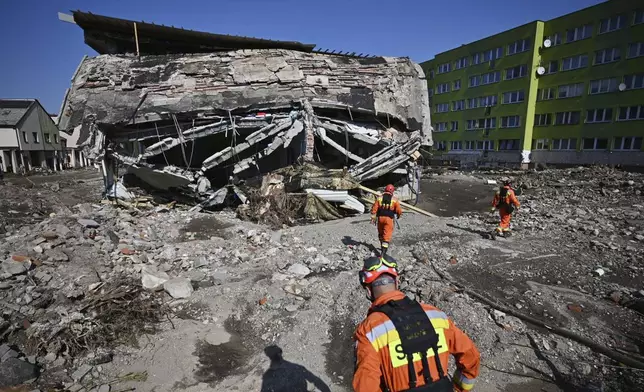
8, 138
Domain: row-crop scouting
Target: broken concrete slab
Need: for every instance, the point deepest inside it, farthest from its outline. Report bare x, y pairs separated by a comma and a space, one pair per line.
178, 288
15, 372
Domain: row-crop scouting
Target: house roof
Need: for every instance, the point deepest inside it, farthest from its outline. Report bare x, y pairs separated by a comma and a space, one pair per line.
13, 110
109, 35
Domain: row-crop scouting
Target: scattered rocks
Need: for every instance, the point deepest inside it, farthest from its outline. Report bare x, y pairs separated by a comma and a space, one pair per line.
13, 267
298, 269
153, 279
15, 372
79, 373
178, 288
89, 223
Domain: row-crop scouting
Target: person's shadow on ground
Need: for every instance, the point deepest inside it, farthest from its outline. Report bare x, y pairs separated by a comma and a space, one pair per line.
285, 376
349, 241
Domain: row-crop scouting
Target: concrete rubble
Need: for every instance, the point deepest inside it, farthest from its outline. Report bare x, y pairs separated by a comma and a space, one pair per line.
212, 273
195, 124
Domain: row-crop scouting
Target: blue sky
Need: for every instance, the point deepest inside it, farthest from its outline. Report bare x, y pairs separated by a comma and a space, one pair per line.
40, 53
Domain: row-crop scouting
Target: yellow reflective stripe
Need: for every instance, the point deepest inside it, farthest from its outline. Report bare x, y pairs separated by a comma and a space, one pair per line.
440, 323
382, 334
398, 358
462, 381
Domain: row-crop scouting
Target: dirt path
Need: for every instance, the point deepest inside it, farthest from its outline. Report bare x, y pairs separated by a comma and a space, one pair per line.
297, 289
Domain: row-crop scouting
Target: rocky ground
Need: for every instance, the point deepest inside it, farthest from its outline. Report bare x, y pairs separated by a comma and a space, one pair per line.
99, 298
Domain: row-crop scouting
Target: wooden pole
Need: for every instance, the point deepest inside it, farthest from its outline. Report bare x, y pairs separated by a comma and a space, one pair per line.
136, 40
407, 206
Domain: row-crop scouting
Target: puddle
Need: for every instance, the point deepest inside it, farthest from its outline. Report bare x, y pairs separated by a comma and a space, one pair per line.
339, 352
203, 228
454, 198
218, 361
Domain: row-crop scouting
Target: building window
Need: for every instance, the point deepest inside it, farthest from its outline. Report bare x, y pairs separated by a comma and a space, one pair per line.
431, 74
443, 68
638, 18
488, 101
606, 56
599, 115
555, 39
574, 62
35, 135
634, 82
510, 122
440, 127
55, 139
485, 145
461, 63
514, 96
635, 49
602, 86
552, 67
458, 105
542, 120
509, 144
610, 24
571, 90
477, 58
24, 137
472, 103
442, 88
453, 127
564, 144
492, 54
457, 85
474, 81
578, 33
567, 118
516, 72
440, 145
430, 92
594, 144
519, 46
490, 77
482, 123
47, 139
627, 143
545, 94
442, 107
631, 113
470, 145
540, 144
455, 145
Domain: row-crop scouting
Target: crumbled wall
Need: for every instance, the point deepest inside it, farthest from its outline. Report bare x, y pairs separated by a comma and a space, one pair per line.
114, 89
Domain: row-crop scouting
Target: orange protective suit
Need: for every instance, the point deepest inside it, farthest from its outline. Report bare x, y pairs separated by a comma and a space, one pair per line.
384, 213
378, 361
505, 215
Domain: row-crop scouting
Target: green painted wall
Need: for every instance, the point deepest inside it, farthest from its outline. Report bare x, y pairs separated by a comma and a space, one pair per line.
536, 56
616, 39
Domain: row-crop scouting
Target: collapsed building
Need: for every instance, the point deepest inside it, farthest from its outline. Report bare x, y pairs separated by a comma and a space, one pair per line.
193, 112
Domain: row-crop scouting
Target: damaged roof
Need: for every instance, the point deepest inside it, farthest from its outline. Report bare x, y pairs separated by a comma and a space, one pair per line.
13, 110
108, 35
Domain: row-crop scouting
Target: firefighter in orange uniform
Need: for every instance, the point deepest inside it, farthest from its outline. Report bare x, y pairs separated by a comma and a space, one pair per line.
506, 202
383, 212
403, 345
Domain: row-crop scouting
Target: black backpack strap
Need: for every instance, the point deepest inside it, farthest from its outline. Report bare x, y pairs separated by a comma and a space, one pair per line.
417, 335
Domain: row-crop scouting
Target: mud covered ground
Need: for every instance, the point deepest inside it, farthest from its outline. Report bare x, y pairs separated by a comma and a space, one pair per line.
297, 288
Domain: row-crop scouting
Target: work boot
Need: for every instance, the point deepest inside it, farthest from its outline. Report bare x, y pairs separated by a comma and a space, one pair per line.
383, 251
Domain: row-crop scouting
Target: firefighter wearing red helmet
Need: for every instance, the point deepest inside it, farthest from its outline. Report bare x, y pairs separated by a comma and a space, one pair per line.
404, 345
383, 212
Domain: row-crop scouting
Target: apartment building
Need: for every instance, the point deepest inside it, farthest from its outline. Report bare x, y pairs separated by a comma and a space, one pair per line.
565, 91
28, 136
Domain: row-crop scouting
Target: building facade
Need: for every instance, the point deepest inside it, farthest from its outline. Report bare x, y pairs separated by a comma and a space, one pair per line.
565, 91
28, 136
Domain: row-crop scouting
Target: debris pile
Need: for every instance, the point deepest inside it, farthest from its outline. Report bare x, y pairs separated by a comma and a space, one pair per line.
193, 125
